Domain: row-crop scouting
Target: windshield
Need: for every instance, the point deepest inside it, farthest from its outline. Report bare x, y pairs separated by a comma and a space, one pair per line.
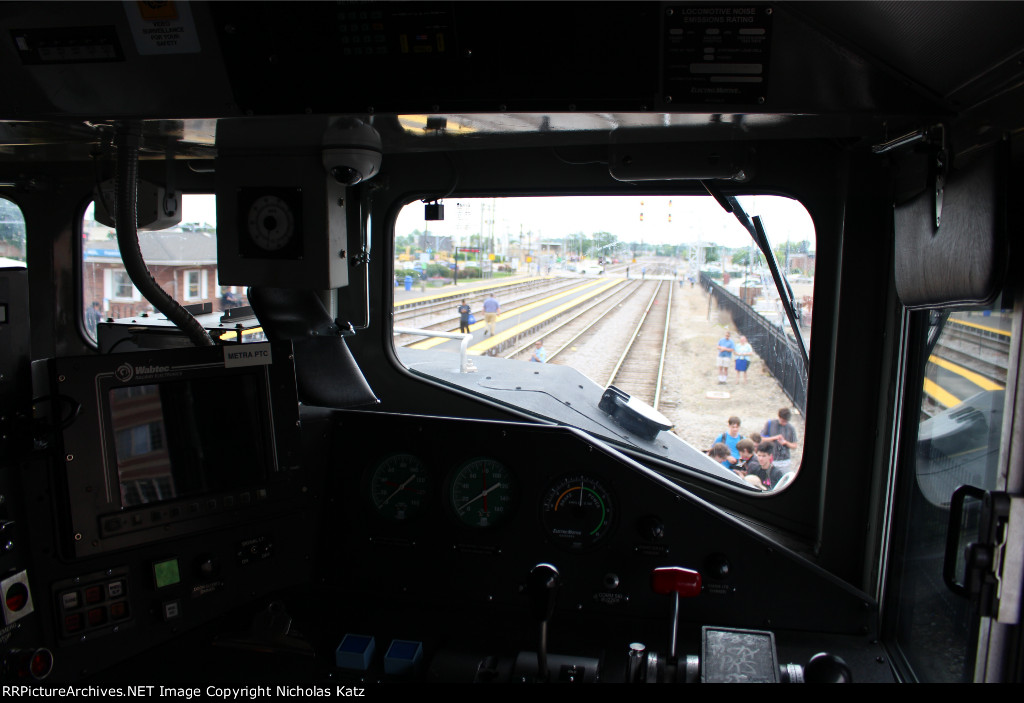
545, 303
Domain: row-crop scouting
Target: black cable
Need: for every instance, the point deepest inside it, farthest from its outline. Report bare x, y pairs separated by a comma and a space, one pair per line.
126, 199
64, 421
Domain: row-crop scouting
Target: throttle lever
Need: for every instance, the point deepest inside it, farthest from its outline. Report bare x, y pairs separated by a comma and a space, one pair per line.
680, 582
542, 589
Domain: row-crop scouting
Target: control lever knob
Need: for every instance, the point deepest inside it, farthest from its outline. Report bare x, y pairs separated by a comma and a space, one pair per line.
542, 590
676, 579
827, 668
637, 650
681, 583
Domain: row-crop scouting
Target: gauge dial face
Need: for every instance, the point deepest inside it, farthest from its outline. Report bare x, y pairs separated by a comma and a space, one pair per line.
400, 487
577, 512
271, 223
482, 493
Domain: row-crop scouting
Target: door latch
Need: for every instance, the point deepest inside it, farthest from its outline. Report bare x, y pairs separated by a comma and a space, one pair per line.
993, 566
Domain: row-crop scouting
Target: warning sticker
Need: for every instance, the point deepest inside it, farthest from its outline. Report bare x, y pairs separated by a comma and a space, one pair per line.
162, 27
716, 54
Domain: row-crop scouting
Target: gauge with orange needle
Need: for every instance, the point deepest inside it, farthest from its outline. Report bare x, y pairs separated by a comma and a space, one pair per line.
399, 487
578, 511
482, 493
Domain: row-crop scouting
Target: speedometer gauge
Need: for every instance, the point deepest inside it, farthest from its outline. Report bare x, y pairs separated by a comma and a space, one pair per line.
577, 512
399, 487
482, 493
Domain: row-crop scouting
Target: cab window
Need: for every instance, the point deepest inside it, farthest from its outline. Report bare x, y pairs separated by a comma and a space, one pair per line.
12, 236
958, 431
667, 299
182, 259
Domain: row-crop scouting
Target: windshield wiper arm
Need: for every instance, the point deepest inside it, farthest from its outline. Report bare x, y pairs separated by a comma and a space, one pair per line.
729, 203
785, 292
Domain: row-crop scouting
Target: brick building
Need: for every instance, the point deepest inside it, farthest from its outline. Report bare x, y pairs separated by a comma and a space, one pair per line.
183, 263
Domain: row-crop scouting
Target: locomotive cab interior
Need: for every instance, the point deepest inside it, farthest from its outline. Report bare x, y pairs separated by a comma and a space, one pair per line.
226, 460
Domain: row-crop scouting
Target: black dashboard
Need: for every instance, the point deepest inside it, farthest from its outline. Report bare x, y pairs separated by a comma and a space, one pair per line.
455, 542
434, 526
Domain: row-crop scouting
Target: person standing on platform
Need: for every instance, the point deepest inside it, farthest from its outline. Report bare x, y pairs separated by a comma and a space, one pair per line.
491, 310
92, 318
464, 313
743, 352
724, 359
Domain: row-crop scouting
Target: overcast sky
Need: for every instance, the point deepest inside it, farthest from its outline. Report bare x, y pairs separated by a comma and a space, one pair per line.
693, 218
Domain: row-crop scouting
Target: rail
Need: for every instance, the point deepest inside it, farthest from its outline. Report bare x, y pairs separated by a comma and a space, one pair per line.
779, 352
577, 315
632, 339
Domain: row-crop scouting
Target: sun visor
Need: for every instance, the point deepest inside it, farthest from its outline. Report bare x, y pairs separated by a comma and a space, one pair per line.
696, 161
961, 262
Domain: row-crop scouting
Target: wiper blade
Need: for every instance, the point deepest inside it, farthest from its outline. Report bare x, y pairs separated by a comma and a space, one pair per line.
786, 293
729, 203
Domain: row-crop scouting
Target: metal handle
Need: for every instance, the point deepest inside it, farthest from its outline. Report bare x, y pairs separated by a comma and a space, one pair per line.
956, 509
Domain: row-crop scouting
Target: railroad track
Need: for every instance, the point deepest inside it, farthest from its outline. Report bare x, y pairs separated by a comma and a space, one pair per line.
639, 369
440, 315
579, 326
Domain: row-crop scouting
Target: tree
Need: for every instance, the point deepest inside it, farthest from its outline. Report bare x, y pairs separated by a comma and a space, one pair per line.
741, 257
602, 243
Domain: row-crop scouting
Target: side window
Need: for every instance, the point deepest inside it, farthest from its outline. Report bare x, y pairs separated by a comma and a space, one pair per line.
958, 439
182, 259
12, 236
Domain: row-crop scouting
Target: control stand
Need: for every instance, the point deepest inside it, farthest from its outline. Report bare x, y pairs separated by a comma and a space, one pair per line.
541, 588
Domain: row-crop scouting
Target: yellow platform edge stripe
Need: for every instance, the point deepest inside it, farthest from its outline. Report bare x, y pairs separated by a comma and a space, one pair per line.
975, 378
994, 330
432, 342
481, 347
470, 288
940, 394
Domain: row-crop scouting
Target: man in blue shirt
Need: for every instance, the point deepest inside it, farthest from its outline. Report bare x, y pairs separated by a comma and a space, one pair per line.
491, 310
725, 350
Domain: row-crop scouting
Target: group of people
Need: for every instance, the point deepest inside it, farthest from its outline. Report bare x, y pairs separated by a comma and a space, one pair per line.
761, 459
491, 310
724, 358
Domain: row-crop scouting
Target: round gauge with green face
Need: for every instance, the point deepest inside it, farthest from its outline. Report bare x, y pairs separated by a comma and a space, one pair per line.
482, 493
399, 487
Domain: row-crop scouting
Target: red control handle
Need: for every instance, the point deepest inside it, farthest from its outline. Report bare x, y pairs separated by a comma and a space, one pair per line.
676, 579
